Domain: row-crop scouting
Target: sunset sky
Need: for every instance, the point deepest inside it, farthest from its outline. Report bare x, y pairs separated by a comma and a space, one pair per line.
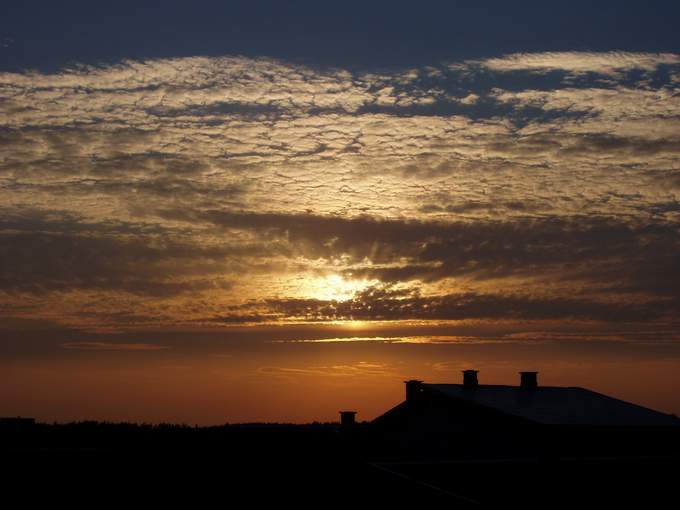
271, 211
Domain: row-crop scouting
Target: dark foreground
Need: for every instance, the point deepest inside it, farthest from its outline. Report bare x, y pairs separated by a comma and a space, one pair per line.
305, 466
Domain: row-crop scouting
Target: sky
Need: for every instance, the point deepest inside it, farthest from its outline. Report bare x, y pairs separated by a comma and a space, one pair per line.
269, 211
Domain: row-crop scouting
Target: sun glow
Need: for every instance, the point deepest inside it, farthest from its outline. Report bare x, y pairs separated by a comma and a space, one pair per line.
335, 287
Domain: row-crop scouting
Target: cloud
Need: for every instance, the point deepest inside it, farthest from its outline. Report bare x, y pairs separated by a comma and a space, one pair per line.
611, 63
418, 339
565, 248
183, 190
389, 305
109, 346
359, 369
565, 254
59, 252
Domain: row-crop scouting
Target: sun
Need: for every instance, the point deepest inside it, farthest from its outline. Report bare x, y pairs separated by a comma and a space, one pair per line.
334, 287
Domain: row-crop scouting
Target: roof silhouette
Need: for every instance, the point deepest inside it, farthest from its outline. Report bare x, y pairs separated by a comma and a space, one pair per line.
554, 405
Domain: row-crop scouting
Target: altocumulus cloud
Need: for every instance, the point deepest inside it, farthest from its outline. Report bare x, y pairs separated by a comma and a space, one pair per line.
612, 63
526, 186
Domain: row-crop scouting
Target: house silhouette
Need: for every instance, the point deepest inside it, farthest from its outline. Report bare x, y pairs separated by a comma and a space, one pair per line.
527, 420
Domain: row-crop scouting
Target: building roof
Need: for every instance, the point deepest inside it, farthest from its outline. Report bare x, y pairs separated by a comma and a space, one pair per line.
557, 405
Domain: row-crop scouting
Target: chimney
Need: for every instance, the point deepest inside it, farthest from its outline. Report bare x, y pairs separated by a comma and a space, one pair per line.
470, 379
347, 419
413, 389
528, 380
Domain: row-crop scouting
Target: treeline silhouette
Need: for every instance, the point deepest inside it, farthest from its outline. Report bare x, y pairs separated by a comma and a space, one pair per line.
245, 439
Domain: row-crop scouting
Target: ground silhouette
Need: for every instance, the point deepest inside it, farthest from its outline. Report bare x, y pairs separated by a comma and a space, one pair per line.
306, 465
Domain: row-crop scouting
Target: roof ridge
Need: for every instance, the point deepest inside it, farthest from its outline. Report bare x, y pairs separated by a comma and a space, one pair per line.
512, 386
556, 404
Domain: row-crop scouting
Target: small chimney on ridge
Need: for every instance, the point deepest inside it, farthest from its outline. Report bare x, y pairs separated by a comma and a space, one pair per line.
470, 379
528, 380
413, 389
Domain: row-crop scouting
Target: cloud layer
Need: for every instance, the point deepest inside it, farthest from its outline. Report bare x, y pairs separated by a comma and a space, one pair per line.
218, 191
